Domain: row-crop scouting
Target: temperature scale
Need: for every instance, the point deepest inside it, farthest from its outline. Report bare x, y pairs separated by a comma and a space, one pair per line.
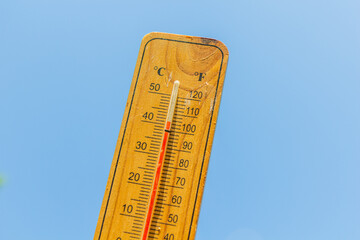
162, 154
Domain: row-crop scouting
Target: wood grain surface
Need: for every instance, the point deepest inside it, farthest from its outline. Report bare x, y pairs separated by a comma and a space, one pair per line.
199, 65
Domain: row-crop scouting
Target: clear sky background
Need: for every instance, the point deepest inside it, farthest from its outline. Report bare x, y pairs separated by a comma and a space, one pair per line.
289, 169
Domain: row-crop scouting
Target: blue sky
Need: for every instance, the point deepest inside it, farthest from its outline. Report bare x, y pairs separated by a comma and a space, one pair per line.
288, 169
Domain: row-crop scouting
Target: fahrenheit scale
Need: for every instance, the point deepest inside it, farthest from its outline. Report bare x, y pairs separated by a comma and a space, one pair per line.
161, 158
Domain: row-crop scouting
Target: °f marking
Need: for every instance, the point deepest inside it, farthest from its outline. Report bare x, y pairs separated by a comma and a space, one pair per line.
160, 162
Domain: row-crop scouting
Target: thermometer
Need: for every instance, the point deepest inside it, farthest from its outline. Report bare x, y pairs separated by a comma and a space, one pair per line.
158, 172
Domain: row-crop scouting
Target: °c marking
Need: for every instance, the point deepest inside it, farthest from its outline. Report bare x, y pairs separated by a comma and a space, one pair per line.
159, 70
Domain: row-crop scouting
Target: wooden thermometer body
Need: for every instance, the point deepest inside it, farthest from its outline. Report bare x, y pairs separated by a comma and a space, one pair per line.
161, 158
